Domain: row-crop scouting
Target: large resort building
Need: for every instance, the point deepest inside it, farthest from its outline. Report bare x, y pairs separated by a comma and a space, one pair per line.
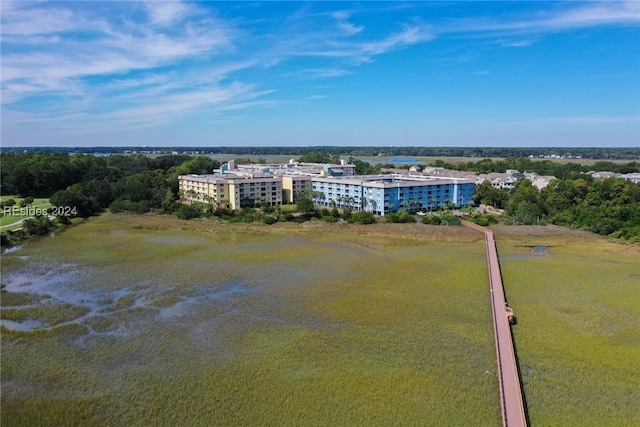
328, 185
383, 194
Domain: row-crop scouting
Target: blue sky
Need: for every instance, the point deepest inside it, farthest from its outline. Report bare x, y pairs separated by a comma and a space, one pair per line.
168, 73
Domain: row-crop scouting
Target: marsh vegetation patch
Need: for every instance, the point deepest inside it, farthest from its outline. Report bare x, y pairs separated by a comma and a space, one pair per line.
578, 332
301, 324
246, 327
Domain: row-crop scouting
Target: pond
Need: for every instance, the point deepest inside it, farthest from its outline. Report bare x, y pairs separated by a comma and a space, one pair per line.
396, 160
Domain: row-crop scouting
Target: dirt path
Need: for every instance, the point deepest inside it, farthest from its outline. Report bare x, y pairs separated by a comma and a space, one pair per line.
12, 224
513, 412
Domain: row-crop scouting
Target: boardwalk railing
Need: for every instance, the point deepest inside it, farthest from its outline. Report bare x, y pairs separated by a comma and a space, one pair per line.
511, 401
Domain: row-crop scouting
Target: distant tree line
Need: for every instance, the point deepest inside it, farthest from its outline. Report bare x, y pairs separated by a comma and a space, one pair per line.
540, 167
605, 153
139, 184
604, 206
90, 183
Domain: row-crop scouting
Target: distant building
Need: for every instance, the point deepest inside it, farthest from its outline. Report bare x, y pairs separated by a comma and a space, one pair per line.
604, 174
509, 179
498, 180
238, 187
633, 177
292, 167
539, 181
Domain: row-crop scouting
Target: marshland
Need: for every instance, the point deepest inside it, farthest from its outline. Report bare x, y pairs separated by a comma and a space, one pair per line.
132, 319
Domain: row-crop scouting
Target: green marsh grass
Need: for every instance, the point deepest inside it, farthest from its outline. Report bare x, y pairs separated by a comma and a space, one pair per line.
206, 324
201, 324
578, 331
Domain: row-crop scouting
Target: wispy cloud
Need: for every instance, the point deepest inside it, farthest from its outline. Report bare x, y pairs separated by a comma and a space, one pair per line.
167, 12
83, 56
562, 17
328, 72
515, 43
152, 62
410, 35
347, 27
593, 14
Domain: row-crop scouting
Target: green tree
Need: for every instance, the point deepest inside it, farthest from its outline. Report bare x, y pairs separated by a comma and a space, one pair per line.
188, 212
305, 205
200, 165
38, 225
319, 157
72, 200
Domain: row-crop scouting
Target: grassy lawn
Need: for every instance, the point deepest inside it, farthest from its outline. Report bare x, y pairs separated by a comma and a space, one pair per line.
11, 215
289, 208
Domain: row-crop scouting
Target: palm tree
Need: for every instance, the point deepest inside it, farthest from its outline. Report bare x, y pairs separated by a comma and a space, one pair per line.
434, 202
350, 201
191, 194
211, 201
373, 204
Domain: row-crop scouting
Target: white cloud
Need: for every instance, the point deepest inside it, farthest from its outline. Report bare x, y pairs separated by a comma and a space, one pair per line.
514, 43
562, 17
410, 35
20, 20
328, 72
163, 12
105, 48
149, 63
343, 23
594, 14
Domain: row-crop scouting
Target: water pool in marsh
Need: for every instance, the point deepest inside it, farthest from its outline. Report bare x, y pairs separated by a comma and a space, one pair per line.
132, 325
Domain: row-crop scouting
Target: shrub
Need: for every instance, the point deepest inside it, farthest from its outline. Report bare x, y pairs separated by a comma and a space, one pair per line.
448, 219
362, 217
188, 212
38, 225
442, 219
482, 221
269, 219
401, 216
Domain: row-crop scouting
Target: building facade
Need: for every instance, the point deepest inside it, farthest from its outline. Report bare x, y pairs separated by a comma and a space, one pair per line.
383, 194
379, 194
234, 191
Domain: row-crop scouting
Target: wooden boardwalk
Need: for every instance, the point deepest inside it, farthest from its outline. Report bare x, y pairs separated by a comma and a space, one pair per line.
513, 411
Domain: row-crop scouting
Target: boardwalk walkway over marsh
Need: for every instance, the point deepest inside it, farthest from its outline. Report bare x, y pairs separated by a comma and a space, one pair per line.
513, 412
